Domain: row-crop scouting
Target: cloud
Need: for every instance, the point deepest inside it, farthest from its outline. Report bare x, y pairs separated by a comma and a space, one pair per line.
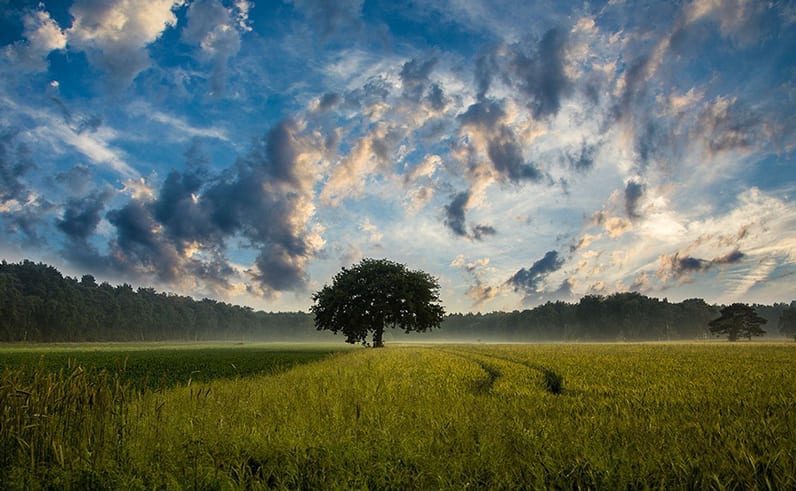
480, 293
484, 125
115, 34
42, 35
375, 235
95, 145
454, 214
540, 76
82, 215
265, 200
480, 231
505, 153
615, 226
415, 76
725, 125
679, 266
181, 128
529, 279
15, 162
634, 191
328, 101
741, 21
76, 180
583, 159
455, 219
348, 177
217, 31
729, 258
139, 246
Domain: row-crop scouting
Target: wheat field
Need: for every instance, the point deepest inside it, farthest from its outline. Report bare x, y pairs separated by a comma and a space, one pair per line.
550, 416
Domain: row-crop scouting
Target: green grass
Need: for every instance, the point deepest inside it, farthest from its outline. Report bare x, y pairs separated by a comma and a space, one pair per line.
659, 416
163, 365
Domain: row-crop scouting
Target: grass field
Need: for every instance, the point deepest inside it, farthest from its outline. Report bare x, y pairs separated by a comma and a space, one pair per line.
607, 416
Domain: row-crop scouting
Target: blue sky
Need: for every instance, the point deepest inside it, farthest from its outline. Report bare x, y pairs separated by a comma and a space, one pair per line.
519, 151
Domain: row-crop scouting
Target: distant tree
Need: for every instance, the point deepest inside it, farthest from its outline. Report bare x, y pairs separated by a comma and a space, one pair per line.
88, 281
376, 294
787, 321
738, 320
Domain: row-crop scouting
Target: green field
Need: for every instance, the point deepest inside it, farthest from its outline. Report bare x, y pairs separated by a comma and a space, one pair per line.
606, 416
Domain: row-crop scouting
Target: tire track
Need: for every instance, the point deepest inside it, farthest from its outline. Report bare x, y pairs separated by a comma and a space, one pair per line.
551, 381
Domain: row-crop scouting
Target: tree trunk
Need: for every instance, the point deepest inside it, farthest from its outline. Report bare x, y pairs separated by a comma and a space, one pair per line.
378, 334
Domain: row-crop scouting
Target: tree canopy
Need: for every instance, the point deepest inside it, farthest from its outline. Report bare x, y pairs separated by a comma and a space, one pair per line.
376, 294
736, 320
39, 304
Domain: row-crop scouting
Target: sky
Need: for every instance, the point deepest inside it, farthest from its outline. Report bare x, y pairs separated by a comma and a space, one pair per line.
521, 152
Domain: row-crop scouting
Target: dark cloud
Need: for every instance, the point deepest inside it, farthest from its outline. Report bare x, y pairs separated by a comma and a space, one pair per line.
503, 149
540, 76
680, 266
455, 214
376, 89
210, 27
65, 112
415, 70
687, 264
528, 279
76, 180
256, 201
328, 101
583, 159
634, 89
726, 124
455, 219
90, 123
506, 155
483, 114
178, 210
480, 231
82, 215
486, 66
634, 191
15, 162
415, 75
435, 97
733, 257
138, 243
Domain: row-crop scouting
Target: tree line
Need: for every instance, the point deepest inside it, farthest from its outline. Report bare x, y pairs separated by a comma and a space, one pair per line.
627, 316
39, 304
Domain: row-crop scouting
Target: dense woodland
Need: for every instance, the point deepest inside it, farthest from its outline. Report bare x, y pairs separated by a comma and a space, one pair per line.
39, 304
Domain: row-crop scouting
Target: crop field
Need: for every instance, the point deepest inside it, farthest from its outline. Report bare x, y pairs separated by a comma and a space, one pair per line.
605, 416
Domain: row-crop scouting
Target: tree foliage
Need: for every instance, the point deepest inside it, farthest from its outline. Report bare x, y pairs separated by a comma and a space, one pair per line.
376, 294
39, 304
737, 320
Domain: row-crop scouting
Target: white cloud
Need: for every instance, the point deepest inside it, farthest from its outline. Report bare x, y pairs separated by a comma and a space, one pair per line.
42, 35
180, 126
375, 235
115, 34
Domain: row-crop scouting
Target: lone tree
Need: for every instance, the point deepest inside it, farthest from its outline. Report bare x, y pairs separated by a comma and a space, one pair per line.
787, 321
738, 320
373, 295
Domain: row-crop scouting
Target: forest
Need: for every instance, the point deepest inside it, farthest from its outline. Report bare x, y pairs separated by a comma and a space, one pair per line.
39, 304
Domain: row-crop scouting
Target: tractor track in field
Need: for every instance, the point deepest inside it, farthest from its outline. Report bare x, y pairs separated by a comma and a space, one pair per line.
552, 381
